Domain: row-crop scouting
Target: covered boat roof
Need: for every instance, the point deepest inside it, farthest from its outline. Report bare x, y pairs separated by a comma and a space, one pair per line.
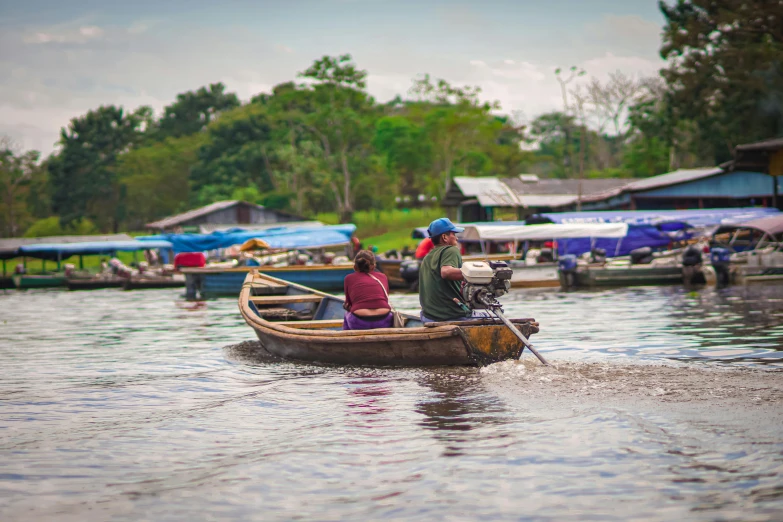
66, 250
772, 225
278, 237
543, 232
9, 247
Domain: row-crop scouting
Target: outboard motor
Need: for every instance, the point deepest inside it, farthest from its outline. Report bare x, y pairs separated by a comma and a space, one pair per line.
484, 283
691, 266
721, 259
409, 272
641, 256
567, 269
598, 255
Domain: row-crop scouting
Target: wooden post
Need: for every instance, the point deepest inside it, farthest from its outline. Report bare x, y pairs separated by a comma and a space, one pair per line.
3, 267
775, 192
81, 262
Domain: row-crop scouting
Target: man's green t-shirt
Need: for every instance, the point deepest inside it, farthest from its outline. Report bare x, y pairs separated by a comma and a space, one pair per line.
435, 293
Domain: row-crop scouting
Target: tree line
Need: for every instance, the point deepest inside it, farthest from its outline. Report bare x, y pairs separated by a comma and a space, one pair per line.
321, 143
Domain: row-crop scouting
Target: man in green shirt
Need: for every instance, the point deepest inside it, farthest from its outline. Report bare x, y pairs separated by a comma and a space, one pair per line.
440, 277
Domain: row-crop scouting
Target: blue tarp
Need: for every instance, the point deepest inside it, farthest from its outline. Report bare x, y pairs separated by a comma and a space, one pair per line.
638, 236
695, 218
54, 251
279, 237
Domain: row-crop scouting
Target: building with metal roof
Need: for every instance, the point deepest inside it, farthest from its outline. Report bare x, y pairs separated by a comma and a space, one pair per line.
222, 215
716, 187
478, 199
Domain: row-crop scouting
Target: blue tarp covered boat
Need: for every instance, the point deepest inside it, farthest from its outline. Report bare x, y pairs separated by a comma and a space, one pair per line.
694, 217
221, 281
278, 237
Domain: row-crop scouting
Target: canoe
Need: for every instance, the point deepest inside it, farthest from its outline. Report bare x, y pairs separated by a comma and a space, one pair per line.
296, 322
38, 281
215, 282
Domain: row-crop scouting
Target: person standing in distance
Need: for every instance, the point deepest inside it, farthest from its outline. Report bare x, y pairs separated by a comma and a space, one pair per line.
440, 277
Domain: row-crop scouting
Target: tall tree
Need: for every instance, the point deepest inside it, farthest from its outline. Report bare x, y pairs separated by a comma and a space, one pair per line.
726, 69
458, 125
17, 170
342, 124
156, 178
194, 110
82, 180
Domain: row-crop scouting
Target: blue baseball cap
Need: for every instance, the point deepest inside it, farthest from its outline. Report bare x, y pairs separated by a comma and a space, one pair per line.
441, 226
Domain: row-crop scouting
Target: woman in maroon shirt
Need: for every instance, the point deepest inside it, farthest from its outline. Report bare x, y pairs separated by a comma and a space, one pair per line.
366, 296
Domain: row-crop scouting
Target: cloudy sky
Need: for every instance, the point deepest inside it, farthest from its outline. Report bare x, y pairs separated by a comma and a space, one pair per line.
59, 59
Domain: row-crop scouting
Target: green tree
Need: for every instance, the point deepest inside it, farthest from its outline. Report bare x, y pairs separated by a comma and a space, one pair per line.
725, 71
342, 124
17, 170
194, 110
407, 151
82, 179
234, 155
156, 178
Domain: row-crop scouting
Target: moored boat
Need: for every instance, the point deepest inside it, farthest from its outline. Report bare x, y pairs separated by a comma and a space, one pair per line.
296, 322
207, 282
24, 281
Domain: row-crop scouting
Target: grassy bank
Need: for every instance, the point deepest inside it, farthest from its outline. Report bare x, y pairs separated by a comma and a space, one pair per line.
387, 229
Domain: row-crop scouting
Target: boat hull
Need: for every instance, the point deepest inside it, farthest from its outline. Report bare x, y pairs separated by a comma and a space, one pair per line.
94, 283
149, 283
38, 281
640, 275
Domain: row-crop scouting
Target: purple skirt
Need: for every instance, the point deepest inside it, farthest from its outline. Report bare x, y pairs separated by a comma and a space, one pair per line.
354, 322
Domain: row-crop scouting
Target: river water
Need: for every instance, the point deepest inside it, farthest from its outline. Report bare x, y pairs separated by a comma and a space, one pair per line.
662, 404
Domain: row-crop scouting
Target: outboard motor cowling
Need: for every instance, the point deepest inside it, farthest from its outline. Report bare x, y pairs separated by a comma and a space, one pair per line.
567, 269
721, 259
641, 256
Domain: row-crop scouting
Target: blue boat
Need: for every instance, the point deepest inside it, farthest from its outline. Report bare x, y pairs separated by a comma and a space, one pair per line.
206, 283
216, 281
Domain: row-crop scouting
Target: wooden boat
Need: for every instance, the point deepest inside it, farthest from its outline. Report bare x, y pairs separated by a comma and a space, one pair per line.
223, 281
296, 322
93, 283
151, 282
24, 281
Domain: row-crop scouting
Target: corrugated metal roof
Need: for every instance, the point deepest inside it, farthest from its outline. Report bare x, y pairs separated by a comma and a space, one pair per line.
562, 186
490, 191
208, 228
672, 178
655, 182
173, 221
548, 200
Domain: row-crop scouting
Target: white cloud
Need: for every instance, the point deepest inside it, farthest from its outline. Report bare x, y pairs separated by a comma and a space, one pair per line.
283, 49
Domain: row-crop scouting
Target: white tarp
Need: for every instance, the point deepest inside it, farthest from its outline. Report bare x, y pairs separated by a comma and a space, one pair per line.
543, 232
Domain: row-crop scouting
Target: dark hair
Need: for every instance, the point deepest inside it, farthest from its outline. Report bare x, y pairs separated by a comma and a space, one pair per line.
437, 240
364, 261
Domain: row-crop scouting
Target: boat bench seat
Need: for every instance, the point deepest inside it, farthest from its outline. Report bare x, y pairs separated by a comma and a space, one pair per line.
321, 323
284, 299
